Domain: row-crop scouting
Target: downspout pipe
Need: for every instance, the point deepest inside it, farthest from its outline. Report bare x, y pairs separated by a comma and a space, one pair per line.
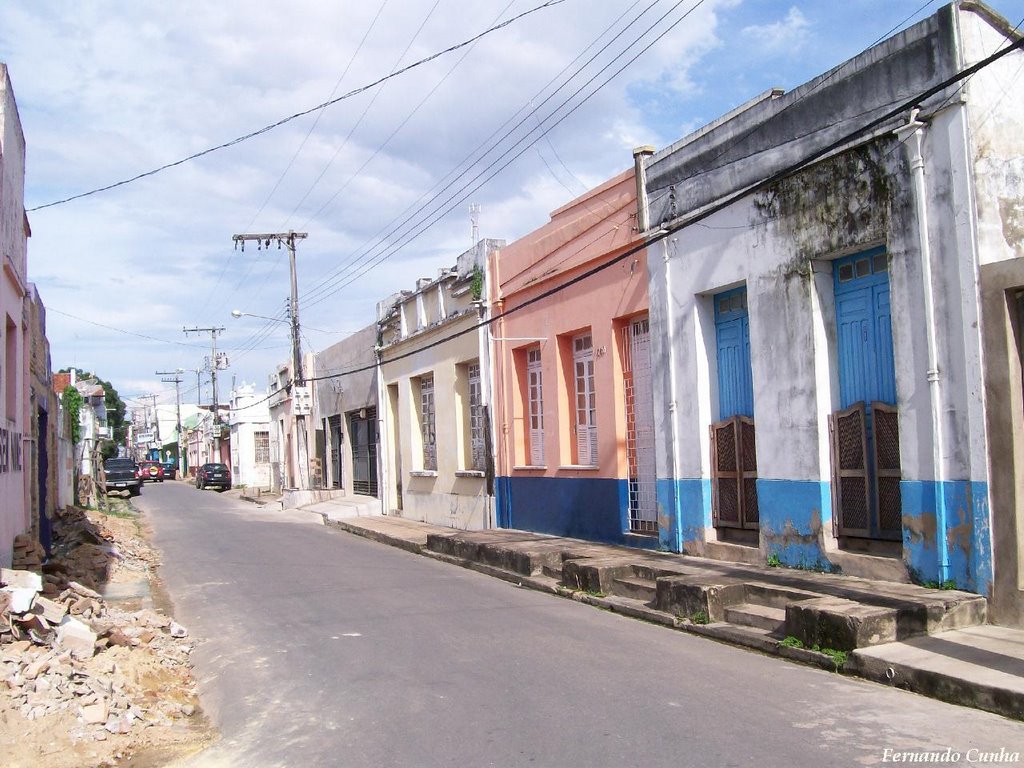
668, 245
643, 223
912, 134
486, 395
385, 449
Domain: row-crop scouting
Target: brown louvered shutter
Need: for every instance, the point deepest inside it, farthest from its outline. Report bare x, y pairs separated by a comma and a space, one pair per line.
850, 471
885, 421
748, 473
725, 473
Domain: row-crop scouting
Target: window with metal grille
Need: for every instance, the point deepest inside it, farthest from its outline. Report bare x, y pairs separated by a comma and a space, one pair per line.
261, 447
638, 390
535, 406
586, 400
476, 419
428, 431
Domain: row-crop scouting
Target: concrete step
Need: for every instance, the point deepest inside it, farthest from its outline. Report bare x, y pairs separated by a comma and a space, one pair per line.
733, 553
758, 616
750, 637
552, 570
775, 596
692, 595
637, 589
979, 667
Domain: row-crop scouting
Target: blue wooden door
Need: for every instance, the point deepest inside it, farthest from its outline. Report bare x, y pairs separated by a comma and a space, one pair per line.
867, 379
732, 336
867, 371
733, 455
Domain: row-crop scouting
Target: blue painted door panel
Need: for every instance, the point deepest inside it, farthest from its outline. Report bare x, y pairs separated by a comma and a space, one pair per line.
732, 336
867, 370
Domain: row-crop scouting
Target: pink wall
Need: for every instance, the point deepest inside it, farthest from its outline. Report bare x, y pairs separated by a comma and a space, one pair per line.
14, 370
581, 235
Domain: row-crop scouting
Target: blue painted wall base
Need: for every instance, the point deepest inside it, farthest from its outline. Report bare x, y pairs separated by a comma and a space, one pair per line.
793, 515
968, 534
594, 509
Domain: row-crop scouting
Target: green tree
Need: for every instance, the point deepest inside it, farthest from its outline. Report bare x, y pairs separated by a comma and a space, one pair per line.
116, 410
72, 402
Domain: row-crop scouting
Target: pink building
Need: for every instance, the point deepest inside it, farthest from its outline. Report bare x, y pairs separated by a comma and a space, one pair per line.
573, 401
15, 428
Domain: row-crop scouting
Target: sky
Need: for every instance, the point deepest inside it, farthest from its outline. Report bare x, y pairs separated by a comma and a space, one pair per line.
518, 122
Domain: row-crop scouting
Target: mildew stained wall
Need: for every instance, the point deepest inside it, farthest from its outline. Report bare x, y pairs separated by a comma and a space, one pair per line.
995, 127
780, 241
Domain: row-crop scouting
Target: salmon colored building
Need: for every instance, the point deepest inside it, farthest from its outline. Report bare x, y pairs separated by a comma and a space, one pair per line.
573, 401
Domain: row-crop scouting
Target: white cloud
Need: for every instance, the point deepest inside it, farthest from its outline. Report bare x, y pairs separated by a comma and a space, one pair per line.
107, 90
787, 35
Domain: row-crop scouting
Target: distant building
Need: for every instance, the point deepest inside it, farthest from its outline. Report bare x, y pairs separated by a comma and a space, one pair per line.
434, 377
292, 434
250, 438
347, 426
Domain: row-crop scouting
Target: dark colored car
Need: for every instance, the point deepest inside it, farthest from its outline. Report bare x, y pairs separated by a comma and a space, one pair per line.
171, 470
151, 471
213, 476
122, 474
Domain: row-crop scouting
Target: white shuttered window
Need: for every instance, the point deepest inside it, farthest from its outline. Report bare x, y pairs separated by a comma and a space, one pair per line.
535, 388
586, 400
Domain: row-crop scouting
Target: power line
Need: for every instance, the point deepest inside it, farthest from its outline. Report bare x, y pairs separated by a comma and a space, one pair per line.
303, 113
482, 149
321, 292
121, 330
712, 209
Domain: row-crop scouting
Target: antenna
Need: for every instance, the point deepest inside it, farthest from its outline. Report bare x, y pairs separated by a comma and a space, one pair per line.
474, 220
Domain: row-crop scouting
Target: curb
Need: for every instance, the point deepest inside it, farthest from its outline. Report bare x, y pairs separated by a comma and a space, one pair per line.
721, 632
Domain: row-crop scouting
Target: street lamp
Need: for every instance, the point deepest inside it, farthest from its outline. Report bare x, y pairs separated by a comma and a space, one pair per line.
236, 313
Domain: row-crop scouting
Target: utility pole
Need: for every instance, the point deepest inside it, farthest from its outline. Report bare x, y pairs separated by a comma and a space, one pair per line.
177, 400
156, 417
214, 363
299, 391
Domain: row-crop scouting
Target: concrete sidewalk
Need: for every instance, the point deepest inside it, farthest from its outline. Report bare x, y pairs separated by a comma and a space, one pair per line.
933, 642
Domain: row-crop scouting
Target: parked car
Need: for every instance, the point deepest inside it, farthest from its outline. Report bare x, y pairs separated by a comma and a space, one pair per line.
152, 471
213, 476
122, 475
171, 470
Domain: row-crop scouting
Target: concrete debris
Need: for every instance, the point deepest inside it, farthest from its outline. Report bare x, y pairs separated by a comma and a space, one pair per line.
21, 579
77, 637
63, 648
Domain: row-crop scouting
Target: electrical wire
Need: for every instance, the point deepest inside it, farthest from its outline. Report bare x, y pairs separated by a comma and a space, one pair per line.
303, 113
696, 218
319, 294
302, 145
487, 145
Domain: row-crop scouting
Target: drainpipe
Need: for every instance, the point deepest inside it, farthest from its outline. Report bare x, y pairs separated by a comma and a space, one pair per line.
484, 355
913, 134
667, 246
384, 447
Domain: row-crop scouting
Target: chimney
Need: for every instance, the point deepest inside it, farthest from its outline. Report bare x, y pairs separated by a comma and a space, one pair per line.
643, 212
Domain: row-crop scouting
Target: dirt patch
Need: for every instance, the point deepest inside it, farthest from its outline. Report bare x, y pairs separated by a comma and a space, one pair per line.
88, 681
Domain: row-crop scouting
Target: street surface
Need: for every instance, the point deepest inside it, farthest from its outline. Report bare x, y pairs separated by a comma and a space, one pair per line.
318, 648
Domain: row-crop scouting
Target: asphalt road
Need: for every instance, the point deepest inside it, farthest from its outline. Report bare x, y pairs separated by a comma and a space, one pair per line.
319, 648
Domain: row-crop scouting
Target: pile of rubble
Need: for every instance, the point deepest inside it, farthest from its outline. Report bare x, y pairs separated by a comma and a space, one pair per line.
65, 652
